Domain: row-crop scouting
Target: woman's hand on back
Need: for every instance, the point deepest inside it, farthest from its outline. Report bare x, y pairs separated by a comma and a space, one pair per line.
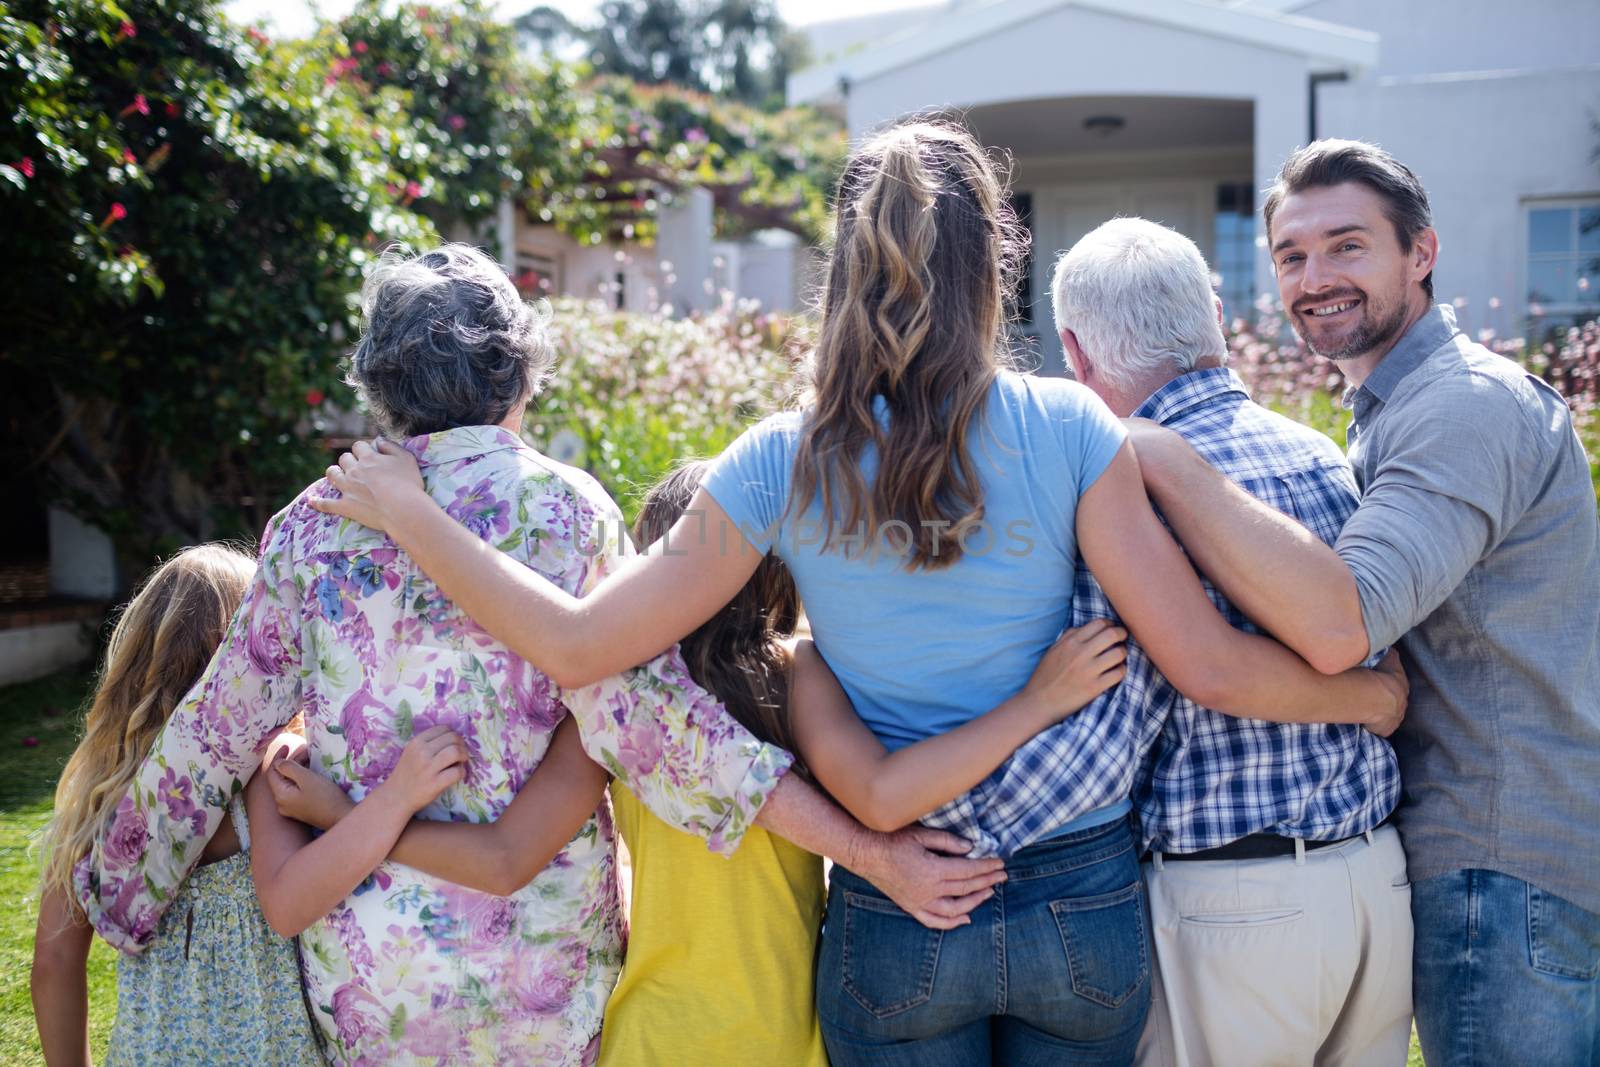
376, 483
1083, 663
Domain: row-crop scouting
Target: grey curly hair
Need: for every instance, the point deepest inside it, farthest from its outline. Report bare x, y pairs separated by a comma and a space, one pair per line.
448, 342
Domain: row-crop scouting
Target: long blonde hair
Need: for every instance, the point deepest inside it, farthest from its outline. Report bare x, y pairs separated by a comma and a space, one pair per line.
161, 644
924, 250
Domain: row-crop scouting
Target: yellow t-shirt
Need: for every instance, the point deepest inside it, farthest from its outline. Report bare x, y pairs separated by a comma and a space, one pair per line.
722, 954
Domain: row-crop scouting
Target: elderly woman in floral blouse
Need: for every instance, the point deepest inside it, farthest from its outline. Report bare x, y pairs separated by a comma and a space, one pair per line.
341, 625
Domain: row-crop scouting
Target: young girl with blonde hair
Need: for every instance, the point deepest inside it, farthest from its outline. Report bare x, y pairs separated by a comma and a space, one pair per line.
220, 982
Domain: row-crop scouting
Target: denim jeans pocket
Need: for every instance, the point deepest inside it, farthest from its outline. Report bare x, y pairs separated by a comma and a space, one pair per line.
1106, 944
1564, 939
890, 959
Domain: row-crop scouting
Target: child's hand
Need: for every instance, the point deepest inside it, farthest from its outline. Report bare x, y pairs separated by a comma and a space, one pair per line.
432, 762
306, 796
286, 745
1080, 666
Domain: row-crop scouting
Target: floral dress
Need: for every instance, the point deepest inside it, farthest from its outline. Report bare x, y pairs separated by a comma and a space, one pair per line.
216, 985
340, 624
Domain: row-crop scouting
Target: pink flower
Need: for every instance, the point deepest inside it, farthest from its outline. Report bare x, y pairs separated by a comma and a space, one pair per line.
543, 983
457, 122
116, 214
385, 69
26, 166
360, 47
173, 110
413, 190
127, 30
129, 834
128, 156
357, 1014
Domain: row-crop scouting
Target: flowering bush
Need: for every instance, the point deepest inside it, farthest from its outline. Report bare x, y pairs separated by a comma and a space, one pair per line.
190, 207
187, 213
634, 394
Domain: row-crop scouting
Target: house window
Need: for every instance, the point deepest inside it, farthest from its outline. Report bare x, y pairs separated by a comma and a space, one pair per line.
1019, 309
1235, 259
1563, 264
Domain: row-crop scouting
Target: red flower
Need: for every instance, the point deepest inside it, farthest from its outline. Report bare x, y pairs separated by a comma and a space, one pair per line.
361, 47
314, 398
173, 110
116, 214
128, 156
413, 190
385, 69
128, 30
140, 104
26, 166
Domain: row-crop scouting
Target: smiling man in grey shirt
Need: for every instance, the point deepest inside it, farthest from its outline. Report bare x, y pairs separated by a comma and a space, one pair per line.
1477, 548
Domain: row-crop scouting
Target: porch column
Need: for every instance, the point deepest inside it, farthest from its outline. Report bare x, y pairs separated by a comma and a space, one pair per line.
1280, 129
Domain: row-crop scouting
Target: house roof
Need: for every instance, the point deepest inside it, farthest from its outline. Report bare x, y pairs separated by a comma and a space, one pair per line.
1258, 23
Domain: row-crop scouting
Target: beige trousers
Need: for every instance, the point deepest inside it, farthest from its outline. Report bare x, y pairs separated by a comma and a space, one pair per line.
1293, 961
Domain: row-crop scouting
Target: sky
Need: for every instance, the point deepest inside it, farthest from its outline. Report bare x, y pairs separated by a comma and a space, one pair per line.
292, 18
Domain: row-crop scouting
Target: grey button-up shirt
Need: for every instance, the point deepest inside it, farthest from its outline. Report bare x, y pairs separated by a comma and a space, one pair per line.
1477, 548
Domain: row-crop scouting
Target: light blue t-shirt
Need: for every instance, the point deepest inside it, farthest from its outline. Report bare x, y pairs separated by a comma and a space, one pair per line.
921, 652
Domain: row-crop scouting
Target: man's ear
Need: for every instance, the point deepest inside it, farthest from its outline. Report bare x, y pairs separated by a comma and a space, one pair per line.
1081, 367
1424, 253
1217, 300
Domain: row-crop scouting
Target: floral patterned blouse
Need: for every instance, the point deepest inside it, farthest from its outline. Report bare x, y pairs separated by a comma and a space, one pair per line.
342, 625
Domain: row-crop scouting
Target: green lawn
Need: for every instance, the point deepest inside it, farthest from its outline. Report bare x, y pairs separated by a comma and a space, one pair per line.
50, 711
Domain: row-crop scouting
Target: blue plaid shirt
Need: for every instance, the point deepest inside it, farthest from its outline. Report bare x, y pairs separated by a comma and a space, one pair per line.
1199, 779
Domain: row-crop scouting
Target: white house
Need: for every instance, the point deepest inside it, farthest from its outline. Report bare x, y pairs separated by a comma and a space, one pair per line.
1182, 111
685, 269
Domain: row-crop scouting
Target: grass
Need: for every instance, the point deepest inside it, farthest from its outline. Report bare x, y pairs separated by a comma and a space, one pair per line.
50, 712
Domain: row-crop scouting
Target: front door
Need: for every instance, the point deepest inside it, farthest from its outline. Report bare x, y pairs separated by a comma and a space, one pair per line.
1063, 214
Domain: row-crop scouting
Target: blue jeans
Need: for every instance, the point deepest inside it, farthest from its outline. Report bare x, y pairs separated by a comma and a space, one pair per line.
1054, 968
1504, 974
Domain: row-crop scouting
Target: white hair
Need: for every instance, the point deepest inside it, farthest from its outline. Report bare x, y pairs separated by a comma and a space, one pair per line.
1138, 297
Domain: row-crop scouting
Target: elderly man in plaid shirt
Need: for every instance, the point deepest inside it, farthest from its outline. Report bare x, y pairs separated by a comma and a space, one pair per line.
1278, 898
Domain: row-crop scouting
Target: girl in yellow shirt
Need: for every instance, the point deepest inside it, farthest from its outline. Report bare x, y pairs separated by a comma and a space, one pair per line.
720, 968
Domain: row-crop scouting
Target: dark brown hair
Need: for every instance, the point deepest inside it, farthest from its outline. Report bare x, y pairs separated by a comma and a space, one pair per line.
1334, 162
913, 311
737, 654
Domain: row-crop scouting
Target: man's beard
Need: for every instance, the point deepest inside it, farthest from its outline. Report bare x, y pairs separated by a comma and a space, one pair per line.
1370, 333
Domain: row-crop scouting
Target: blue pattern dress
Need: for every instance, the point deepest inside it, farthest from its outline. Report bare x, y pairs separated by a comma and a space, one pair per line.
215, 985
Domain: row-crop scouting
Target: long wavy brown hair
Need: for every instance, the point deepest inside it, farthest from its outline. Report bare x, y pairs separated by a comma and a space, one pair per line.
739, 653
925, 247
162, 642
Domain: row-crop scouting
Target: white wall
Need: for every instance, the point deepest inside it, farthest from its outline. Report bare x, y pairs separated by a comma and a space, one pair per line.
34, 651
1480, 146
1433, 36
684, 230
83, 563
1074, 52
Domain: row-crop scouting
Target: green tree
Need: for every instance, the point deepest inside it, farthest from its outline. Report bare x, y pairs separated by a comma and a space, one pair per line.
188, 211
739, 49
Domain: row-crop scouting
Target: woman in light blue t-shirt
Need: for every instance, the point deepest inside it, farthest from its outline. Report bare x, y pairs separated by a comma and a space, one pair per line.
932, 507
